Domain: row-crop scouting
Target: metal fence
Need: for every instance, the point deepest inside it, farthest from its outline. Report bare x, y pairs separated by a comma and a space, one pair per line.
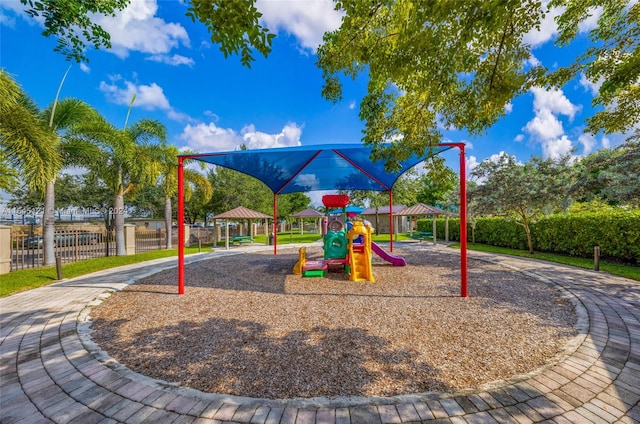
199, 235
148, 240
77, 245
69, 245
27, 251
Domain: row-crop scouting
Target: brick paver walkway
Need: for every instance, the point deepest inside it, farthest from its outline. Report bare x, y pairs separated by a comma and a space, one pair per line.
49, 373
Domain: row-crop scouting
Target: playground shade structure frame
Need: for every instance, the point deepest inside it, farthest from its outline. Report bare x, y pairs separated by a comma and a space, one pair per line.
321, 167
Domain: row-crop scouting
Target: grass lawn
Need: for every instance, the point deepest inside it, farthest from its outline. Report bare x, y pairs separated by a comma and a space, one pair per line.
292, 238
32, 278
27, 279
626, 271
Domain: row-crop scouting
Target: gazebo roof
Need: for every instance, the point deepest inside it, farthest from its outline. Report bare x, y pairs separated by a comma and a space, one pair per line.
242, 213
420, 209
307, 213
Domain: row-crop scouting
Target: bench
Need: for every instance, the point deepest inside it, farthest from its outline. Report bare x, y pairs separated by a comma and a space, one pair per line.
240, 239
421, 235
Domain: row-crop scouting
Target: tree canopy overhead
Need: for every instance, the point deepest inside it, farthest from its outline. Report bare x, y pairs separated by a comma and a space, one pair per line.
443, 64
431, 64
233, 24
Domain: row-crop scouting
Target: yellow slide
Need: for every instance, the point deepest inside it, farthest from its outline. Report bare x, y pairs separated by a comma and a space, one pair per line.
360, 255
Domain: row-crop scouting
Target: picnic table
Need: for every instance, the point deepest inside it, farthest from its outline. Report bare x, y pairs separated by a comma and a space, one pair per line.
240, 239
421, 235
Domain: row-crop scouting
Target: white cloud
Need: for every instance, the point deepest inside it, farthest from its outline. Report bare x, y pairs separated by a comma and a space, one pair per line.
289, 136
352, 104
471, 163
592, 87
556, 148
149, 97
496, 157
548, 28
316, 196
211, 115
173, 60
508, 108
211, 138
137, 29
588, 142
519, 138
545, 127
554, 101
532, 61
85, 68
307, 20
592, 21
10, 10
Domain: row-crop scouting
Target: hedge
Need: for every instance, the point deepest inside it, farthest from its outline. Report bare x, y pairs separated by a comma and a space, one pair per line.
617, 233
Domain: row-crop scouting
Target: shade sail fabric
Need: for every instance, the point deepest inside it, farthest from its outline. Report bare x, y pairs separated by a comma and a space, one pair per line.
312, 168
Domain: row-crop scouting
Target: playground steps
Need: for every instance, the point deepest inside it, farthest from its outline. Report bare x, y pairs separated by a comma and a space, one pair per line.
315, 269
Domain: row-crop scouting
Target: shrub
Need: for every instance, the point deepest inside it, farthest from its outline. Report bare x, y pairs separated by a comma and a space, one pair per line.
616, 232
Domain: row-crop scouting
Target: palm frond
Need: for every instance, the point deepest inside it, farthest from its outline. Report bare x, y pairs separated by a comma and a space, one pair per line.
68, 112
24, 138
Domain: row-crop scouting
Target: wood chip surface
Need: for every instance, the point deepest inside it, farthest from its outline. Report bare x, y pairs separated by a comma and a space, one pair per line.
248, 326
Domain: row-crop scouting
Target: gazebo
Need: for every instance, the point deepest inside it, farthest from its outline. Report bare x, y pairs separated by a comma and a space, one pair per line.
420, 209
242, 213
307, 213
322, 167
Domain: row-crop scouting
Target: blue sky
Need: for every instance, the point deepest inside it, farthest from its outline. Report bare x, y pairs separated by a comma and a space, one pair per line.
210, 103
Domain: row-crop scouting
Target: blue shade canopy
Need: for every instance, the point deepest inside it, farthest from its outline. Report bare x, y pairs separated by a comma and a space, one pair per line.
312, 168
347, 209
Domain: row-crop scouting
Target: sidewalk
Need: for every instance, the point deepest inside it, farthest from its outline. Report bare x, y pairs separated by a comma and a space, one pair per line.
49, 373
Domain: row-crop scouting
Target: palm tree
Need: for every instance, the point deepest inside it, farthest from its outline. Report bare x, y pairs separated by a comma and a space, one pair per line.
169, 184
26, 144
129, 159
62, 116
48, 151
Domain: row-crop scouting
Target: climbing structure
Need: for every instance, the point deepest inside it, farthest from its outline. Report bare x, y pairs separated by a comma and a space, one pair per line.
360, 253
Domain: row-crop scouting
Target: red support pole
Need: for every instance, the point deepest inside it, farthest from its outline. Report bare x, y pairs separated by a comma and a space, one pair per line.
464, 288
275, 224
180, 225
390, 221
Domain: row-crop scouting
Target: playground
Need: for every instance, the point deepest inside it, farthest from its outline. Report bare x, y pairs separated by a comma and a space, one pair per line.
248, 326
347, 244
396, 322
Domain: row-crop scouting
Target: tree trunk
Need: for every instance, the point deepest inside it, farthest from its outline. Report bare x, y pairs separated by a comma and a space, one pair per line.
48, 225
377, 222
167, 220
118, 218
529, 241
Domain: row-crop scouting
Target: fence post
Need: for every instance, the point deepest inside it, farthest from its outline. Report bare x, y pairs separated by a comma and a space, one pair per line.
596, 258
130, 239
59, 267
187, 235
5, 249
